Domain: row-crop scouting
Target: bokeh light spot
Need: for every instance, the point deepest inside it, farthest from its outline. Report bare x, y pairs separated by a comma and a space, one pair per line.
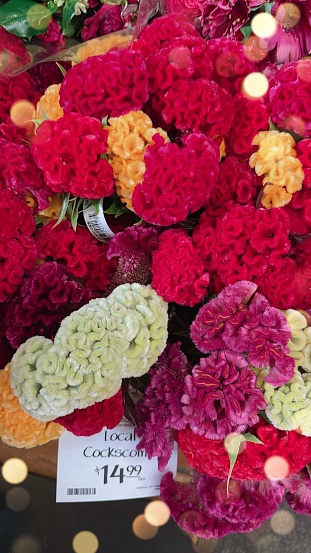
288, 15
142, 529
276, 468
38, 17
85, 542
14, 470
255, 85
264, 25
17, 499
282, 522
255, 48
26, 544
22, 112
232, 442
180, 57
157, 513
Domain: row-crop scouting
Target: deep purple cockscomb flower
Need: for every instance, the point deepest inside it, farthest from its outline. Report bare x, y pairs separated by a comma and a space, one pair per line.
221, 396
204, 508
160, 412
132, 248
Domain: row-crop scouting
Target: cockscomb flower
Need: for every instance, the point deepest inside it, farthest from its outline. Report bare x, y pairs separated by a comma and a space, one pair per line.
276, 159
69, 151
45, 298
204, 508
118, 85
128, 137
300, 340
18, 251
160, 411
178, 273
298, 492
132, 249
289, 102
242, 321
47, 73
231, 65
250, 116
289, 406
48, 106
102, 45
211, 457
91, 420
221, 396
21, 87
95, 347
191, 172
20, 174
17, 428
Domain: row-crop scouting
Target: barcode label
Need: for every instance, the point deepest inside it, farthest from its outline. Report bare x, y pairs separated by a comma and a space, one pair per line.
96, 223
81, 491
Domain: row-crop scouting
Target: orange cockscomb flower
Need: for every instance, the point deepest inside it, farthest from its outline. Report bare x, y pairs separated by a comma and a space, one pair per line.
102, 45
17, 428
128, 137
48, 106
276, 159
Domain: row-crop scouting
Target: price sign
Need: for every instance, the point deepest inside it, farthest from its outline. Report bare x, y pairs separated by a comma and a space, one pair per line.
107, 466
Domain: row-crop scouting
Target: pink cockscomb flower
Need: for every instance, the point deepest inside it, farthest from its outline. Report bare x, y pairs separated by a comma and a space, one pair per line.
292, 39
160, 411
109, 85
177, 181
178, 272
221, 396
203, 506
69, 151
298, 492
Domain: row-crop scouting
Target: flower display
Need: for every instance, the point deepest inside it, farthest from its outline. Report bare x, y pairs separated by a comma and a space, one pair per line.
155, 245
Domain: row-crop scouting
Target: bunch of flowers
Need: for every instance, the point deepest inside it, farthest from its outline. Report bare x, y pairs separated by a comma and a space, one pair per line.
155, 236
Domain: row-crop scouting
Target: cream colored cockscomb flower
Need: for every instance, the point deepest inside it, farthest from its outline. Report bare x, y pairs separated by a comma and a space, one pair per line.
128, 137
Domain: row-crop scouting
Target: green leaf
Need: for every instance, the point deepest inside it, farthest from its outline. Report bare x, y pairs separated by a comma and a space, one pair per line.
52, 7
112, 210
24, 18
272, 126
235, 443
68, 13
251, 438
104, 121
95, 204
247, 31
62, 70
120, 211
74, 219
268, 7
64, 209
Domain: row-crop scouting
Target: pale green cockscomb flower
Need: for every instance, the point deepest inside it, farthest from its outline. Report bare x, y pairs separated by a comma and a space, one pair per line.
95, 347
287, 405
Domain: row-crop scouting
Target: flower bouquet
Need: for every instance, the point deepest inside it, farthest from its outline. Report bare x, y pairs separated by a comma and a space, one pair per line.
155, 237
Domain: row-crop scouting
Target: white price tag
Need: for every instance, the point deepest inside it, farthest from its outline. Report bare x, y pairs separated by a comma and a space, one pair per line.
96, 223
107, 466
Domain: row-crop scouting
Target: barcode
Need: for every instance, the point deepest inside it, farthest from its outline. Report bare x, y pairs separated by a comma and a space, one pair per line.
81, 491
96, 226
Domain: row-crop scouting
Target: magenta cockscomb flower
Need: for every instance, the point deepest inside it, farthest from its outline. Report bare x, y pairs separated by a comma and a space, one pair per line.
298, 496
292, 39
160, 412
225, 18
204, 508
242, 321
221, 396
132, 249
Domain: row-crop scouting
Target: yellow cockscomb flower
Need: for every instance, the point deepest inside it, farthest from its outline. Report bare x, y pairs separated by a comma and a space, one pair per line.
102, 45
17, 428
48, 106
276, 159
128, 137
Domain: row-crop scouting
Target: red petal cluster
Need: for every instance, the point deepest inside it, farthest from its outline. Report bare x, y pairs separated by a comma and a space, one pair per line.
250, 117
16, 88
13, 52
83, 256
178, 272
177, 181
20, 174
91, 420
211, 458
109, 85
69, 153
18, 250
230, 63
